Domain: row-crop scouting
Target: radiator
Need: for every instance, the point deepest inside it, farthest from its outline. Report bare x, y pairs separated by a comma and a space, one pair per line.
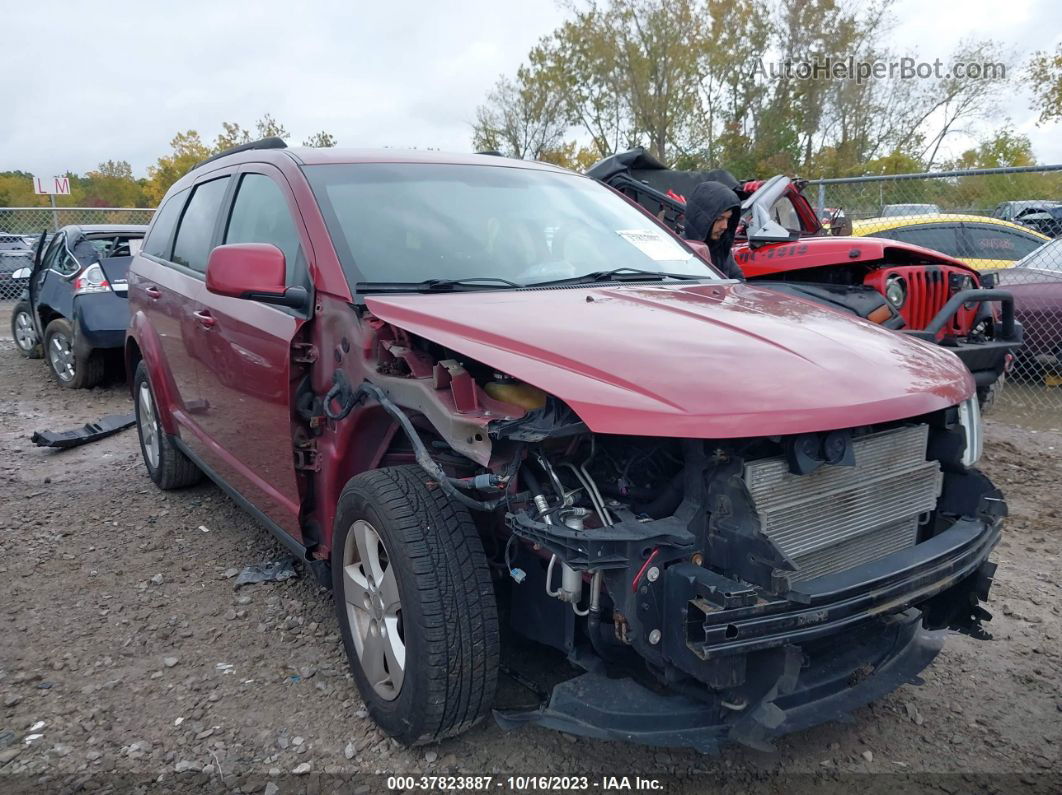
838, 517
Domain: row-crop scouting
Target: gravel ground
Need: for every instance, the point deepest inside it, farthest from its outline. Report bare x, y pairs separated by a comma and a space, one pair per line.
128, 660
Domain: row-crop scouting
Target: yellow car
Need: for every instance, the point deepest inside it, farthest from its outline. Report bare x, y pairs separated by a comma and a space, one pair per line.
981, 242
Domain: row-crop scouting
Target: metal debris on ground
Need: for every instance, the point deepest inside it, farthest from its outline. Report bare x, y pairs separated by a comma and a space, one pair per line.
89, 432
274, 571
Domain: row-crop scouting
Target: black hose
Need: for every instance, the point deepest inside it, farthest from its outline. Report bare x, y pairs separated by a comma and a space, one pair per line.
420, 452
532, 481
668, 499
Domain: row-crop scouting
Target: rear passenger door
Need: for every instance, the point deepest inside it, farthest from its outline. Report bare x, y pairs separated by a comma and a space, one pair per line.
992, 242
246, 378
171, 288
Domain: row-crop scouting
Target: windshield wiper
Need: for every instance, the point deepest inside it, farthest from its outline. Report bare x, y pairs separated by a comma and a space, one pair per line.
435, 285
619, 274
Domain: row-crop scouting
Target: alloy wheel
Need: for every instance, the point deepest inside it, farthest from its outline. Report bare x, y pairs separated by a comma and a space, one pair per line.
25, 335
374, 609
149, 426
61, 357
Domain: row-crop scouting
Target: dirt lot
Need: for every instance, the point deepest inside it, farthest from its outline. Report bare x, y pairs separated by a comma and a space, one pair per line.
127, 656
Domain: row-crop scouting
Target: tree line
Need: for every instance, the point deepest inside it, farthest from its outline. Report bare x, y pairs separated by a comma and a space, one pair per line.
702, 83
112, 184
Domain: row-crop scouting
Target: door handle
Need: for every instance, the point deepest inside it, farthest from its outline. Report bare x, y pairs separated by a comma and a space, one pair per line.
153, 291
206, 320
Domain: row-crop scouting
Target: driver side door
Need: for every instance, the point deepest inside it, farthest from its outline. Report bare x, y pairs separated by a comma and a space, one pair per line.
246, 378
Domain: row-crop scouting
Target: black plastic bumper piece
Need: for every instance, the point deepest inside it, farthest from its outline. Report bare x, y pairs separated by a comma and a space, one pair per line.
837, 679
831, 604
90, 432
842, 640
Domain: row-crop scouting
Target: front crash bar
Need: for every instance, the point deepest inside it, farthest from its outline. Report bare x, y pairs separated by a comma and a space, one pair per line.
1010, 332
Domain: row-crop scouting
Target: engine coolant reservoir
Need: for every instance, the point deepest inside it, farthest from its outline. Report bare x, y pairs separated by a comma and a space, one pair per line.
525, 396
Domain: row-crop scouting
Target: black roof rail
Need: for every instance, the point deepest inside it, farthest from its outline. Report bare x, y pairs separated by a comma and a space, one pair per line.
266, 143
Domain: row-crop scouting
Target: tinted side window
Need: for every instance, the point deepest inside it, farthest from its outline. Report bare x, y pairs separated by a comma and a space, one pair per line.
260, 215
160, 239
66, 264
195, 236
939, 238
988, 242
51, 254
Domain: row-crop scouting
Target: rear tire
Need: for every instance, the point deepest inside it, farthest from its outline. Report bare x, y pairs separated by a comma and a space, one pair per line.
166, 465
23, 332
415, 604
70, 369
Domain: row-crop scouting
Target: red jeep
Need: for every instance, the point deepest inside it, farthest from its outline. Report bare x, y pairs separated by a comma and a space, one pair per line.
783, 243
472, 392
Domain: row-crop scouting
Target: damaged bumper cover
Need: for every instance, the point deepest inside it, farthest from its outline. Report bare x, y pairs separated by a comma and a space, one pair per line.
750, 667
607, 708
89, 432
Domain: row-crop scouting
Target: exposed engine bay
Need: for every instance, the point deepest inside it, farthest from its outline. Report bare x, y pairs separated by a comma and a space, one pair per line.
724, 571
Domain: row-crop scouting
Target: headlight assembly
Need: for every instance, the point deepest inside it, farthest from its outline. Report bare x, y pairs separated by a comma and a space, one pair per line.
896, 291
970, 420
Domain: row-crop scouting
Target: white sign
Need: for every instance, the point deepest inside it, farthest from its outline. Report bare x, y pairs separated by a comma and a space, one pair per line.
56, 185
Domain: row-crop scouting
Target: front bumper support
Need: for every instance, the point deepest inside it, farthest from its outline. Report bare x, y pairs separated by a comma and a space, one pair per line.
835, 683
747, 668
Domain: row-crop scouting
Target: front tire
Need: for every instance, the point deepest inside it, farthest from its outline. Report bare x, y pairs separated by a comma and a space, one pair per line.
23, 332
70, 369
167, 466
415, 604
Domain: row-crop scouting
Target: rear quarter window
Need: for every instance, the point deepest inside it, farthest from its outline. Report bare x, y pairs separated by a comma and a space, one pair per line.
944, 239
195, 234
159, 240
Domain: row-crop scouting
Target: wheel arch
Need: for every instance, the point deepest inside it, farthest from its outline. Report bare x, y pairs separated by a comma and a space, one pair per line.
142, 345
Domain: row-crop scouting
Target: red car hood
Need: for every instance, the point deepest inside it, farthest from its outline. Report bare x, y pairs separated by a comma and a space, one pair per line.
816, 252
708, 361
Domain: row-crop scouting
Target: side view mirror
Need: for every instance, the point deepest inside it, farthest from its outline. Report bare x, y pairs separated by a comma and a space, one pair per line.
764, 229
254, 271
22, 273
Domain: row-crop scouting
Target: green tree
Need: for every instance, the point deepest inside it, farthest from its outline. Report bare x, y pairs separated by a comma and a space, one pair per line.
233, 135
519, 119
320, 140
268, 127
112, 185
187, 150
1044, 73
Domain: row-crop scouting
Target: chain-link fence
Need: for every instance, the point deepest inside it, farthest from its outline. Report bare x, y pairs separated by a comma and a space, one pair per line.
21, 227
1007, 224
1000, 221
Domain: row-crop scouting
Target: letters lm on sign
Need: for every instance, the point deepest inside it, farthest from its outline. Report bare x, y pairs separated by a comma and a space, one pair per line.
55, 185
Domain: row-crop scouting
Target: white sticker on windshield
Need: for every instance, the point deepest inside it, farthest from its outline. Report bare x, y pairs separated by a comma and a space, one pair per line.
655, 245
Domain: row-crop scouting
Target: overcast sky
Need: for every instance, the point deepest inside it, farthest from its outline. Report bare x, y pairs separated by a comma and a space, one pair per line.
83, 82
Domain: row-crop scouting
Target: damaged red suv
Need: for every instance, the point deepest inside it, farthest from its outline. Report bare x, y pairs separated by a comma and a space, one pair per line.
489, 399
